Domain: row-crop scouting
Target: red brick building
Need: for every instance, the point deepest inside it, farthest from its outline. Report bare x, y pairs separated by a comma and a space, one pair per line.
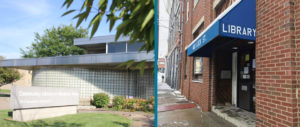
161, 65
228, 67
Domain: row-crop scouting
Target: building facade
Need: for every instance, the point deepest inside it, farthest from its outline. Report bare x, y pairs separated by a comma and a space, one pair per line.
174, 44
95, 72
244, 54
161, 65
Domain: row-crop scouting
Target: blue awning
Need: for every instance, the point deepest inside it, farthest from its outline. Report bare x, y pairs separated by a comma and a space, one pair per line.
237, 22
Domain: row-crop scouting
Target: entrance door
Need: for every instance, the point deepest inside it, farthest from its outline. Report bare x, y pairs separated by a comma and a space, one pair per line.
246, 77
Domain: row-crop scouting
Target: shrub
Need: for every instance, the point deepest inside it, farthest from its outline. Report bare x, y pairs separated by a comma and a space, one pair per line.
142, 105
151, 104
131, 104
118, 102
100, 99
8, 75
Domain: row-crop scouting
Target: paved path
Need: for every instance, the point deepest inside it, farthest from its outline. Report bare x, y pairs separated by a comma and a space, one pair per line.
176, 111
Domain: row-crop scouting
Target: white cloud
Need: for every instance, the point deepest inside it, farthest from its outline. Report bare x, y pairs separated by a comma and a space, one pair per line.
11, 55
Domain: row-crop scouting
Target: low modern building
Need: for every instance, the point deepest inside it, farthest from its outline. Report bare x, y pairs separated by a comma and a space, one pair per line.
243, 55
94, 72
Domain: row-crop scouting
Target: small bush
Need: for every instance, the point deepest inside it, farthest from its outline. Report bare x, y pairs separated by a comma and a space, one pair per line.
100, 100
151, 104
138, 105
118, 102
142, 105
131, 104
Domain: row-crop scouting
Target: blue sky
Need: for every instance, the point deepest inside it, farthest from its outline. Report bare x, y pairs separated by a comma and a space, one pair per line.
20, 19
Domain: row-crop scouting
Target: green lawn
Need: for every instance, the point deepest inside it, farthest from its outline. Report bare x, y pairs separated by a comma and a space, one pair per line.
4, 91
77, 120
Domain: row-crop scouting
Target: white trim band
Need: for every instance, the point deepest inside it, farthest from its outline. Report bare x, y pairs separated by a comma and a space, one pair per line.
201, 21
218, 18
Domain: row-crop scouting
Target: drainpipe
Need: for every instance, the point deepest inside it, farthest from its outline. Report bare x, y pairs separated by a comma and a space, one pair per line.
181, 44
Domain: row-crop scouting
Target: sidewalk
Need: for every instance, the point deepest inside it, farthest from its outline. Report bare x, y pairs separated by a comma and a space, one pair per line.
176, 111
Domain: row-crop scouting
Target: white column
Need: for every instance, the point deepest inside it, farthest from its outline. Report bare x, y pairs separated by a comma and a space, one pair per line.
234, 78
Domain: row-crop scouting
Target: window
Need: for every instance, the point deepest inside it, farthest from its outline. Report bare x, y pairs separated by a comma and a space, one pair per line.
185, 65
187, 10
116, 47
221, 5
134, 47
197, 32
195, 3
198, 28
197, 69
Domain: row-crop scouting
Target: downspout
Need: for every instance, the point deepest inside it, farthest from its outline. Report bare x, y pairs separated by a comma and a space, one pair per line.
181, 45
191, 65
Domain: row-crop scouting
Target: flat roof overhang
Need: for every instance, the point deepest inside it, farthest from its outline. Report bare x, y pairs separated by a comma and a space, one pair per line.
89, 59
236, 22
81, 42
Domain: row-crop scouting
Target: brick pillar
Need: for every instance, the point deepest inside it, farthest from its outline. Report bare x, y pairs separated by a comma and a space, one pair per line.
276, 75
212, 82
297, 52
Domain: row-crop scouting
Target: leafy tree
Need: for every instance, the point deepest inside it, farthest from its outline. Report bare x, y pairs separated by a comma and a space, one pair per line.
136, 16
56, 42
8, 75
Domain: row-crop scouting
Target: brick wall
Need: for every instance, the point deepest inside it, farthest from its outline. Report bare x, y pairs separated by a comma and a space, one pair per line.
276, 51
297, 58
201, 93
277, 62
195, 91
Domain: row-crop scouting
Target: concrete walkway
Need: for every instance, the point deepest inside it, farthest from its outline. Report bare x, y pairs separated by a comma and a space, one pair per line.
190, 116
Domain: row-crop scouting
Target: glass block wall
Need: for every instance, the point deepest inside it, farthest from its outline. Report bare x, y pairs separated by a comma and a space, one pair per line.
92, 80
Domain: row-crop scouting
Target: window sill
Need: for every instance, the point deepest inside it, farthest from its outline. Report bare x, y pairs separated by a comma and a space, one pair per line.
197, 81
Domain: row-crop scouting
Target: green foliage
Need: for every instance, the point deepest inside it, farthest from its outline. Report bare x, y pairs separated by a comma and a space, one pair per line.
140, 104
75, 120
100, 99
131, 104
8, 75
133, 65
118, 102
136, 17
57, 41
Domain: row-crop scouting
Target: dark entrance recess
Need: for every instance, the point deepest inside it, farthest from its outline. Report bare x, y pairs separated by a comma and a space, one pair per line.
222, 55
223, 84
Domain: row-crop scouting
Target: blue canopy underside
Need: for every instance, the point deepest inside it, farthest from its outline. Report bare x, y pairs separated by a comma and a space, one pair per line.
238, 23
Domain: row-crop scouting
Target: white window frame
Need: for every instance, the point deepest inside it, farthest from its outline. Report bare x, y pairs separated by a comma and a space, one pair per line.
201, 21
187, 10
195, 3
197, 71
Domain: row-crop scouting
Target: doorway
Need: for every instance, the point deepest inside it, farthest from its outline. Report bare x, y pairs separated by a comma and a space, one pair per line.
235, 75
246, 78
